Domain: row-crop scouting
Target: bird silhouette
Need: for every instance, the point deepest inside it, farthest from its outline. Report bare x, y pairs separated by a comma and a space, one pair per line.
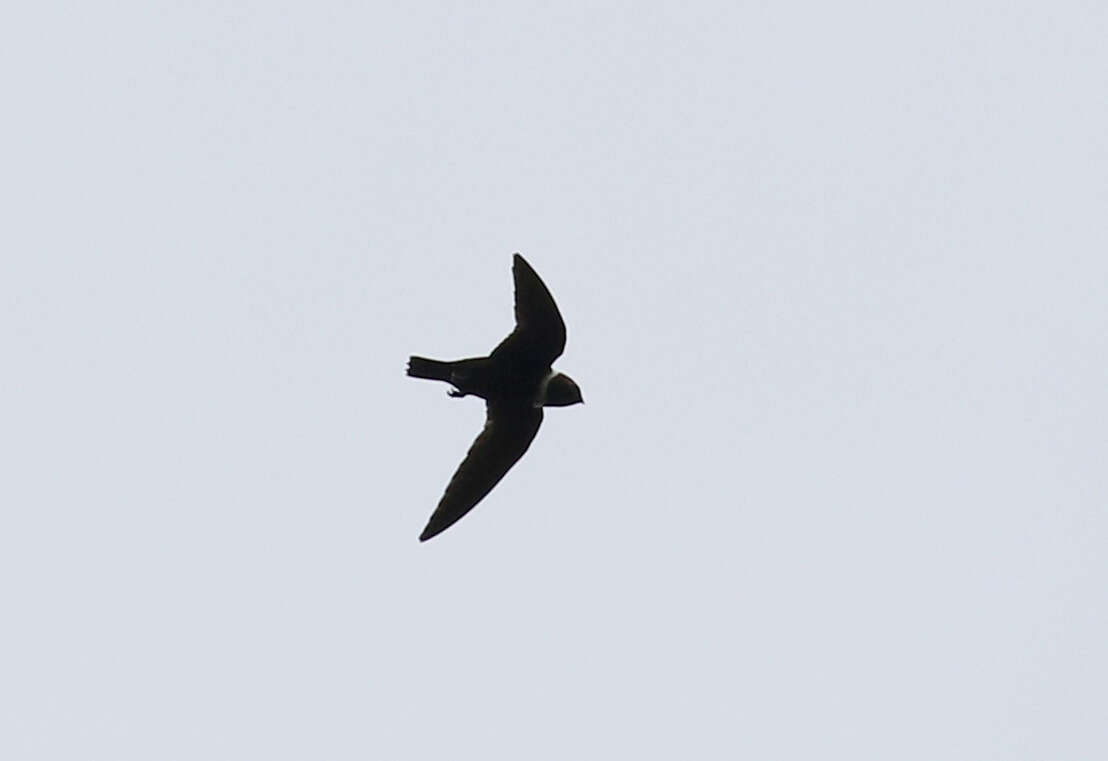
516, 381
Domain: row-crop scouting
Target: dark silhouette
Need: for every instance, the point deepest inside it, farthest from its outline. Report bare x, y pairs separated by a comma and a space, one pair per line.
516, 382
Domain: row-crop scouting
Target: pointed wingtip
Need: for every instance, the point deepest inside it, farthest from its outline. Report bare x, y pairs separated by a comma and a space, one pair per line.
430, 532
522, 268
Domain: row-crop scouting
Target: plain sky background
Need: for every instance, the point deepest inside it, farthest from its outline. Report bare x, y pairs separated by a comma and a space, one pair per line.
836, 283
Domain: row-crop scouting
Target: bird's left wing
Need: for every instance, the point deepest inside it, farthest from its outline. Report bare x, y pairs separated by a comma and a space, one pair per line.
509, 430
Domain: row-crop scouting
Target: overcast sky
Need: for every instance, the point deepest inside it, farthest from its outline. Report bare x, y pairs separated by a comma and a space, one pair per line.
835, 277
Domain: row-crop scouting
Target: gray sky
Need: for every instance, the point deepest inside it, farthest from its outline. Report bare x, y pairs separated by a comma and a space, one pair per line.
835, 281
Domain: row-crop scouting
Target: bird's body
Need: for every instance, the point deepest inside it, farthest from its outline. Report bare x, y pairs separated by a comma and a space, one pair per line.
480, 376
516, 381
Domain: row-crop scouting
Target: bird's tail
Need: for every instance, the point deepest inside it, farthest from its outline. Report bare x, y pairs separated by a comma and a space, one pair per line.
432, 369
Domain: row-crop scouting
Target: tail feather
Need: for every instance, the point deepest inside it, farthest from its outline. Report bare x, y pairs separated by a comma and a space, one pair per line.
432, 369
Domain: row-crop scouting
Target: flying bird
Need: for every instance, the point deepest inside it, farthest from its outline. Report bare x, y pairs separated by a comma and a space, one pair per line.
516, 382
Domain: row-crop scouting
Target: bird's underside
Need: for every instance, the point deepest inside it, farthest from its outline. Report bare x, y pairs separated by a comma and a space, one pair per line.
511, 380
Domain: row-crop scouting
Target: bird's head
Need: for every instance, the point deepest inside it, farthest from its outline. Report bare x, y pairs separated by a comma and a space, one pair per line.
561, 391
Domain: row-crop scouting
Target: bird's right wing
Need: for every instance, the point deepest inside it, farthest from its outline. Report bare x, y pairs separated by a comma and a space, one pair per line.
508, 432
540, 333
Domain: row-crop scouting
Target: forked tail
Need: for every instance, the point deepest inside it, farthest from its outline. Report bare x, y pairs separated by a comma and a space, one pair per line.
432, 369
